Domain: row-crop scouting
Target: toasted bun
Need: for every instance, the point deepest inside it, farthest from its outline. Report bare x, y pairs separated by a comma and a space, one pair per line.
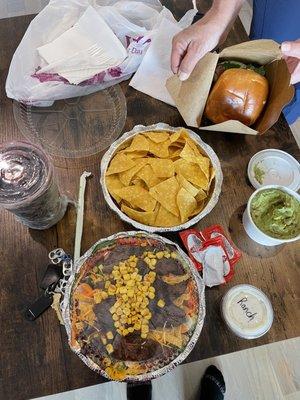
238, 94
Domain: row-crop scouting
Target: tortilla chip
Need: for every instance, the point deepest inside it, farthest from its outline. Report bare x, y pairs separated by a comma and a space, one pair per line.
146, 218
119, 163
188, 153
192, 172
165, 193
201, 195
212, 173
162, 168
165, 218
126, 176
137, 197
113, 182
148, 176
139, 182
157, 136
160, 150
186, 204
139, 143
174, 152
199, 208
138, 154
174, 137
187, 185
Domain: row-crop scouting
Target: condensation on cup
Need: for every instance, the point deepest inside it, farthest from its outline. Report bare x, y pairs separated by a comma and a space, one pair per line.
27, 186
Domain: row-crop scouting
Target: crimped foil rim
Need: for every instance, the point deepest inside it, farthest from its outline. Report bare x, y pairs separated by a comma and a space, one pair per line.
157, 127
201, 311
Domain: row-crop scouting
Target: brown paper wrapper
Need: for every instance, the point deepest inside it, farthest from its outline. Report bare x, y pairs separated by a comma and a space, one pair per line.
190, 96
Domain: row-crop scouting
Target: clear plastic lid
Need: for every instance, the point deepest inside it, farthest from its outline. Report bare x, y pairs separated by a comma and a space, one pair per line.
24, 172
76, 127
274, 167
247, 311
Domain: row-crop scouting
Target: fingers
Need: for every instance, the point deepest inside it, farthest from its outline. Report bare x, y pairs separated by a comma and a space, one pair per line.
192, 56
178, 51
291, 49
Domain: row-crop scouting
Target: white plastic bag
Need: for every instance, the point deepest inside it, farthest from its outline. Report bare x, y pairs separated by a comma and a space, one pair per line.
133, 21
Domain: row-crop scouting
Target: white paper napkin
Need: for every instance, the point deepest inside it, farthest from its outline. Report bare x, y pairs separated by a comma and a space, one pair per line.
155, 69
151, 76
84, 50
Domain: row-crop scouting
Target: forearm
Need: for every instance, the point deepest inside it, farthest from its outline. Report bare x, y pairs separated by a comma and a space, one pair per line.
223, 13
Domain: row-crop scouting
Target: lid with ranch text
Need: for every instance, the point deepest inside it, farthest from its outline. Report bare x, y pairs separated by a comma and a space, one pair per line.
247, 311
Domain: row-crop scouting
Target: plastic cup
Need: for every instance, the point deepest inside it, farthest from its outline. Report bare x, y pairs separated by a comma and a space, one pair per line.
27, 186
254, 232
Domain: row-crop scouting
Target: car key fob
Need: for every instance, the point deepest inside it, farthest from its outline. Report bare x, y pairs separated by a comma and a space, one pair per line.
39, 306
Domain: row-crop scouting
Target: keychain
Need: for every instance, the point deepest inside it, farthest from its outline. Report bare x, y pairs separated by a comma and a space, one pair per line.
54, 281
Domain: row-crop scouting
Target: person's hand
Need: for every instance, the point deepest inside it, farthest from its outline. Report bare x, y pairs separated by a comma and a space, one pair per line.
291, 54
191, 44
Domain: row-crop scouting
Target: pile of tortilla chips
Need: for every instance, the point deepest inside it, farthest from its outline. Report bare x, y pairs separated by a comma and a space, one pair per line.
160, 178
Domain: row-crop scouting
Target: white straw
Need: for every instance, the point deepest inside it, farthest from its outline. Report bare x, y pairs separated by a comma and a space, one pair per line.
80, 212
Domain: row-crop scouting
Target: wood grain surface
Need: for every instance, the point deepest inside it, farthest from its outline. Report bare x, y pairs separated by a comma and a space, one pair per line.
35, 358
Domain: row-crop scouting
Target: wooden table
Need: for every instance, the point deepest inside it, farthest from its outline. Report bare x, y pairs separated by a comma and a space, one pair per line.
35, 358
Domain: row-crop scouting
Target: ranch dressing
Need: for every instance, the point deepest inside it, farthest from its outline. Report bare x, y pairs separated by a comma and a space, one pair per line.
247, 311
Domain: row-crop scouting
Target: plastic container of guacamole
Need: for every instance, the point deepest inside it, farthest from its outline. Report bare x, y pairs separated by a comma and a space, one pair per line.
272, 216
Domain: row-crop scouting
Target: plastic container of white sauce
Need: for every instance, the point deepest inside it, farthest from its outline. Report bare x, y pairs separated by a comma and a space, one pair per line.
247, 311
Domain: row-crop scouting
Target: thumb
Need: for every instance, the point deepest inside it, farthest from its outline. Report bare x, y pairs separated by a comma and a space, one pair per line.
192, 56
291, 49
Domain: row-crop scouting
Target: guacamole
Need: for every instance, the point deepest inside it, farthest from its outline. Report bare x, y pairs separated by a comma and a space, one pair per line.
259, 174
276, 213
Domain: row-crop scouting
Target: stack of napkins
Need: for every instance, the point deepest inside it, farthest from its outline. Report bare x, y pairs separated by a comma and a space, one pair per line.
84, 50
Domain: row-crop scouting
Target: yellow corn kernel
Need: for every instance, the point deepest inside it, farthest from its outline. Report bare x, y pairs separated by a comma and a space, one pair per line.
115, 317
151, 295
152, 274
109, 335
126, 312
153, 262
166, 254
109, 348
139, 278
123, 290
117, 324
125, 332
126, 277
137, 326
104, 295
145, 329
119, 311
144, 312
104, 341
131, 283
132, 264
144, 335
130, 293
107, 284
159, 254
125, 297
161, 303
123, 319
173, 254
147, 260
119, 331
152, 289
144, 289
130, 329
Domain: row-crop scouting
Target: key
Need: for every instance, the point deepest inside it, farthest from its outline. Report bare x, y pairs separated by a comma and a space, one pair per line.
39, 306
51, 277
